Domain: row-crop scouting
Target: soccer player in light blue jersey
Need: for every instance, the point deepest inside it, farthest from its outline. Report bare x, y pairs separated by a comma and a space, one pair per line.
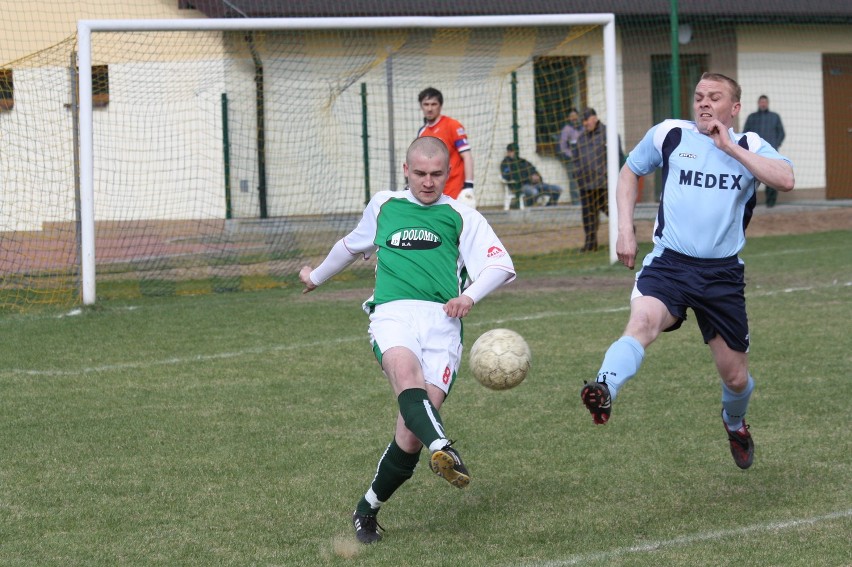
709, 178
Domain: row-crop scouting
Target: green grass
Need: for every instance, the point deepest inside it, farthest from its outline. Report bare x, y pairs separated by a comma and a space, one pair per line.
240, 429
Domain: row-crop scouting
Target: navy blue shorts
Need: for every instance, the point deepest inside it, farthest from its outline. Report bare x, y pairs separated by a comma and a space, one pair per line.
713, 288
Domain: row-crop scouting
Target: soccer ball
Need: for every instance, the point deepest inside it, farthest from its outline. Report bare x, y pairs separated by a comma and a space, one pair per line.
500, 359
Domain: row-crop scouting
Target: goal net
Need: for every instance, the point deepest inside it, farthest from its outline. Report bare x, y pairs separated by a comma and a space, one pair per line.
227, 155
223, 154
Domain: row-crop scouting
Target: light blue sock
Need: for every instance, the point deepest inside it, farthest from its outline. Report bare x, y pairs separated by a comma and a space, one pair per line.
735, 405
621, 361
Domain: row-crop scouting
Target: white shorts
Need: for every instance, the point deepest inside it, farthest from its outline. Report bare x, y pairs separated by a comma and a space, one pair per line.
423, 328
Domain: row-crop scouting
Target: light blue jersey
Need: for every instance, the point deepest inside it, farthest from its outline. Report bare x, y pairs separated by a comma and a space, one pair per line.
708, 197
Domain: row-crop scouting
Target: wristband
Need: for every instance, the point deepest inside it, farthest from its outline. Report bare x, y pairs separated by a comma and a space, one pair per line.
468, 185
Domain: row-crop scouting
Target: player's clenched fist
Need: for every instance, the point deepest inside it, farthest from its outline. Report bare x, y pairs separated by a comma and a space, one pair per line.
305, 277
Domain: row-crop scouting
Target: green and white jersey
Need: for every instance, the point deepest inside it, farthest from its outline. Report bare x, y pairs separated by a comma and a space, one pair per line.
425, 252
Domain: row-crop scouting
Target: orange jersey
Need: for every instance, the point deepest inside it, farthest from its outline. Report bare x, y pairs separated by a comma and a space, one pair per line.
452, 133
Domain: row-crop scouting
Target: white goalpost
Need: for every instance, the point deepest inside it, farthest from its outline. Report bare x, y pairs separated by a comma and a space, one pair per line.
486, 135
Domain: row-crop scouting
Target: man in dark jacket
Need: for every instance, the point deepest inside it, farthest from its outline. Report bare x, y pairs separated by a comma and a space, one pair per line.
524, 178
591, 174
767, 125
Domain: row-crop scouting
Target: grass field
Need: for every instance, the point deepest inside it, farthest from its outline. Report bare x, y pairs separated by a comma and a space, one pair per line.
240, 429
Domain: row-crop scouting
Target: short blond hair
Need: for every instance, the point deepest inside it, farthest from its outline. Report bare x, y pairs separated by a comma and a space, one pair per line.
428, 146
736, 90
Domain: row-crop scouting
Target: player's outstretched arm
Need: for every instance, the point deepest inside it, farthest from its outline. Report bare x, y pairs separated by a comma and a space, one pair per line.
338, 258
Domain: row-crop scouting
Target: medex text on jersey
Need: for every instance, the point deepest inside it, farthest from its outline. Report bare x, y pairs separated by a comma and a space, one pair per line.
710, 180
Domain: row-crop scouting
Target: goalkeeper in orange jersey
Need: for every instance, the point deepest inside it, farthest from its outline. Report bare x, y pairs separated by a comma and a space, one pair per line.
460, 183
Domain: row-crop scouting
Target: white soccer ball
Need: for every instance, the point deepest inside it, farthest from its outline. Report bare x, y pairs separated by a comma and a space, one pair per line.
500, 359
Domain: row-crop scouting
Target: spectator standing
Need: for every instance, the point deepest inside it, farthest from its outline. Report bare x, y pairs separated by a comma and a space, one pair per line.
767, 125
567, 149
591, 175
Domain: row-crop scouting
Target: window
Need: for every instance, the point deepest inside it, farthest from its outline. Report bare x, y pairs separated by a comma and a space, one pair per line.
100, 85
691, 68
560, 83
7, 90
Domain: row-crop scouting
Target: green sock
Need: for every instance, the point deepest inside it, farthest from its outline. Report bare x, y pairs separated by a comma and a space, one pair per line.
420, 416
395, 467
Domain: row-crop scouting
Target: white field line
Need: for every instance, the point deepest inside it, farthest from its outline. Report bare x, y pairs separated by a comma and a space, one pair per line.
602, 556
266, 349
325, 343
787, 252
182, 359
770, 292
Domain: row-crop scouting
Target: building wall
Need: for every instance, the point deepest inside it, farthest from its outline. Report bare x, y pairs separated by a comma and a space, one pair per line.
31, 26
37, 169
785, 63
162, 157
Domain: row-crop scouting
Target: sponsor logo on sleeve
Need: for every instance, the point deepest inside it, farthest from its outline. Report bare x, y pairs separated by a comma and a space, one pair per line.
496, 252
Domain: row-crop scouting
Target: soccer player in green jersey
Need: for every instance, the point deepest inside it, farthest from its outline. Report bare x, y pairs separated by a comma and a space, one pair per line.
435, 259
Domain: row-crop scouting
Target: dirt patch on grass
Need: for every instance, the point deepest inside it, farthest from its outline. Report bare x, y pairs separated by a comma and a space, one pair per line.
794, 220
780, 220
